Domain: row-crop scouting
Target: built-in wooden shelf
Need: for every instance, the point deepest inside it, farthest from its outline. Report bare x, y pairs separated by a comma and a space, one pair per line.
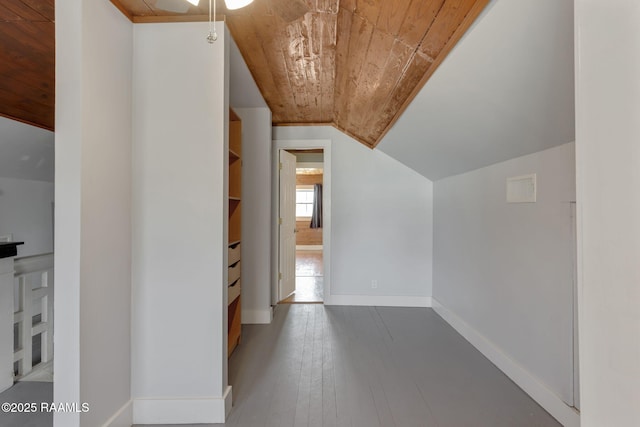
235, 222
234, 290
235, 324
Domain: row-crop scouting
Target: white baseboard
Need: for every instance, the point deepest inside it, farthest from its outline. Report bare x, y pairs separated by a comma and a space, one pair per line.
122, 418
208, 410
546, 398
228, 401
379, 300
308, 247
257, 317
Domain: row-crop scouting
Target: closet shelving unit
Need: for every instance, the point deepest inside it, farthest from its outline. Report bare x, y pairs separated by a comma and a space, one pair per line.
235, 230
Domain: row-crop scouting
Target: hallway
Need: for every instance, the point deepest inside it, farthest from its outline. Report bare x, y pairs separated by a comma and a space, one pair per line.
369, 366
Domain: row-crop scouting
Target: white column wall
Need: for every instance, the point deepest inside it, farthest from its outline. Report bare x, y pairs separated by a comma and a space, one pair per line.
608, 178
179, 217
93, 213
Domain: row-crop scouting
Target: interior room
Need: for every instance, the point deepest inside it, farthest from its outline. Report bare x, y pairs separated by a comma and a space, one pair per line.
478, 165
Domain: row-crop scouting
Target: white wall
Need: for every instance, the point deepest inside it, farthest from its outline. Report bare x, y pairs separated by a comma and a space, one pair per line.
179, 214
506, 270
26, 152
93, 212
608, 165
26, 211
256, 214
381, 213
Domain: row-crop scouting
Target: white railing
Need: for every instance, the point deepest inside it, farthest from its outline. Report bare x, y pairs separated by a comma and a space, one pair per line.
33, 295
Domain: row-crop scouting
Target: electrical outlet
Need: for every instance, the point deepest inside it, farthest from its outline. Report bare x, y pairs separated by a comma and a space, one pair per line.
374, 284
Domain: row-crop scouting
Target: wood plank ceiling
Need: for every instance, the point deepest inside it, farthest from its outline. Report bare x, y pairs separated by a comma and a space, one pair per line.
353, 64
27, 61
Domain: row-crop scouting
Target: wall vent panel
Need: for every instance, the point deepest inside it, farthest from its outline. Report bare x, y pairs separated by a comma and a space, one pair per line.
521, 189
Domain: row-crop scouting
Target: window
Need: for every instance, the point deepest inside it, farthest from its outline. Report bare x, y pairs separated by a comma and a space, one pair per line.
304, 201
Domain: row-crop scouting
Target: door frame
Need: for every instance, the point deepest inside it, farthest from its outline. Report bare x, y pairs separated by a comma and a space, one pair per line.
301, 144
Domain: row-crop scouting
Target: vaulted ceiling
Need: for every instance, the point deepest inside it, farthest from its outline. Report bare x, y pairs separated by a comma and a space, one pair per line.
506, 90
353, 64
27, 61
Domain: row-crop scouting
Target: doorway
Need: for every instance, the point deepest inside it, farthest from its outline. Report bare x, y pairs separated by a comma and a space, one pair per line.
308, 253
303, 222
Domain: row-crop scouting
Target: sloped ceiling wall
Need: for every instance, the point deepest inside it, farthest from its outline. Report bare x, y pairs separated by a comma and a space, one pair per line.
26, 152
506, 90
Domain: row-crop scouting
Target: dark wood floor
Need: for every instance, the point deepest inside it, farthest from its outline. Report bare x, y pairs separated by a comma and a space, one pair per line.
364, 367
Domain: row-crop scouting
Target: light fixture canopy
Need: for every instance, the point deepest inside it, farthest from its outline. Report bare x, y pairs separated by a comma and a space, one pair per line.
231, 5
236, 4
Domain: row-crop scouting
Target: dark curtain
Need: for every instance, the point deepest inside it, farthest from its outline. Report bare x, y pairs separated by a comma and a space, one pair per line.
316, 216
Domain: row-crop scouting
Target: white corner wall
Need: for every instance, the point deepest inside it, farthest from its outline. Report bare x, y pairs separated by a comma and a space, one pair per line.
608, 165
179, 216
503, 272
381, 213
93, 213
256, 214
26, 212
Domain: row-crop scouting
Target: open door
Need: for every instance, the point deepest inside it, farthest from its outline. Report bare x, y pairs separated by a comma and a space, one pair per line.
287, 228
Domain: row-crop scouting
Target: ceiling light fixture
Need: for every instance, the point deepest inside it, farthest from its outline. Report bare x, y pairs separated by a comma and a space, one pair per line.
236, 4
231, 5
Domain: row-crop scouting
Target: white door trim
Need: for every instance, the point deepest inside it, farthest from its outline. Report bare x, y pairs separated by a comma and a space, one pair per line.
301, 144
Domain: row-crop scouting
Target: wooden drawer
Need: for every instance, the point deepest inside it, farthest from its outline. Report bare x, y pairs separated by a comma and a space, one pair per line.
234, 272
234, 253
234, 291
